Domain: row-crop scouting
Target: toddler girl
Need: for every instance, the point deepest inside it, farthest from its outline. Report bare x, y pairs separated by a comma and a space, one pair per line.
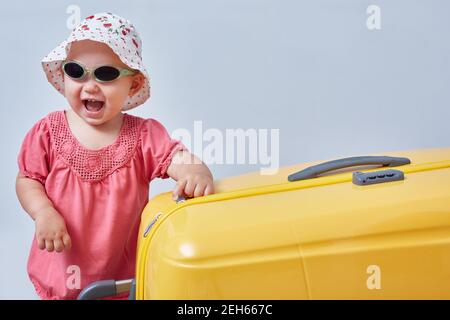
84, 173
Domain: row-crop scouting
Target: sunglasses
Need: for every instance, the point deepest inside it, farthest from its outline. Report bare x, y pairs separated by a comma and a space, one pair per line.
77, 71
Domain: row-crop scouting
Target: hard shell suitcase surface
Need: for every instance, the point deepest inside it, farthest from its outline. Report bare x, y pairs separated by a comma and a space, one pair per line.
356, 228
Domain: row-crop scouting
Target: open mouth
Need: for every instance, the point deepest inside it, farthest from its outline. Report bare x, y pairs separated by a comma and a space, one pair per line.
93, 105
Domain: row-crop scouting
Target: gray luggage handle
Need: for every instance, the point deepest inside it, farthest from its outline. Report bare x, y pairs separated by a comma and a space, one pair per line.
108, 288
314, 171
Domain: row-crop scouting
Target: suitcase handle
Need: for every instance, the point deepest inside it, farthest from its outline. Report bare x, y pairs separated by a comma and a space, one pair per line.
314, 171
108, 288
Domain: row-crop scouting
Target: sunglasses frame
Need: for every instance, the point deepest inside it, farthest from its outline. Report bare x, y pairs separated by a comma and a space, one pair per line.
88, 72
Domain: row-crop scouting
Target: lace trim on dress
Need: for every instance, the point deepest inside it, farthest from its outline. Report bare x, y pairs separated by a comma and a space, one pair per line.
94, 165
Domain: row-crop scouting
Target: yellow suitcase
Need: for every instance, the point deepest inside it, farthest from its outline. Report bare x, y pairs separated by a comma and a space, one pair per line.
355, 228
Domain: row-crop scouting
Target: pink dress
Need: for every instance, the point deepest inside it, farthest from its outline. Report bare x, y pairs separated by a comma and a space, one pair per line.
100, 194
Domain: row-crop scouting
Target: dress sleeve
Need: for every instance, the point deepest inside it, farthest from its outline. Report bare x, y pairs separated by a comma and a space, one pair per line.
33, 158
158, 148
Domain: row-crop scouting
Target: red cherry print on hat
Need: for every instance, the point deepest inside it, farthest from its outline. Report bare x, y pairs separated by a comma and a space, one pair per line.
135, 43
90, 17
128, 30
124, 33
107, 25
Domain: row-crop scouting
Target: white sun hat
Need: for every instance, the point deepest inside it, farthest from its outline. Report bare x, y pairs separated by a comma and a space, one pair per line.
116, 32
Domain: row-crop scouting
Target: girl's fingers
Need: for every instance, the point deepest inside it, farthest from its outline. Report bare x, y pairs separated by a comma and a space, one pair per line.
199, 190
58, 244
40, 243
189, 189
49, 245
209, 190
178, 191
67, 241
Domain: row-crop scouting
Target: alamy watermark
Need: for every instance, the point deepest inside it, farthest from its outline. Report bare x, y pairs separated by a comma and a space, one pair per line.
234, 146
373, 21
73, 281
74, 18
374, 280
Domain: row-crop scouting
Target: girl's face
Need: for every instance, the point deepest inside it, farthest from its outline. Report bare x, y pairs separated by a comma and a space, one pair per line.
111, 96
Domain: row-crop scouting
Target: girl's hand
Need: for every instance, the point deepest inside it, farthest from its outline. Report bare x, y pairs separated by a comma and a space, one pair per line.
194, 185
51, 231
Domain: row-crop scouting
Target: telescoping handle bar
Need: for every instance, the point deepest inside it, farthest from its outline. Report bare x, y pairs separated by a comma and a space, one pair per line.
108, 288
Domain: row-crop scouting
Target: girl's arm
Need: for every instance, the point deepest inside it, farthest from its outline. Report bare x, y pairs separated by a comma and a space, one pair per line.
193, 177
51, 231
